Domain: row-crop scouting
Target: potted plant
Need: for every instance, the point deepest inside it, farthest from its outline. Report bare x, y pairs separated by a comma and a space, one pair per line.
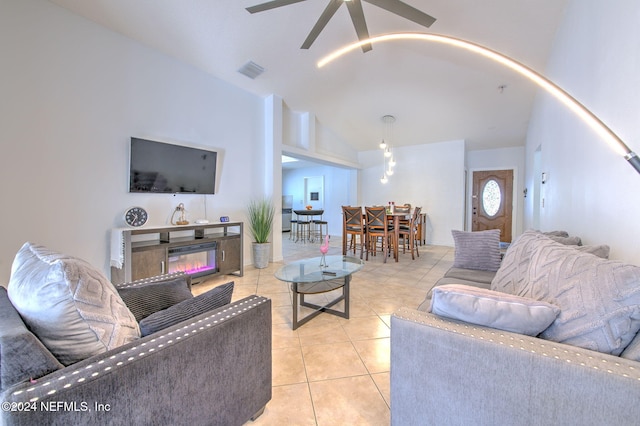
261, 215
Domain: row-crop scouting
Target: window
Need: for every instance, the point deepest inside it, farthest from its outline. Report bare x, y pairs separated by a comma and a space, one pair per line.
491, 197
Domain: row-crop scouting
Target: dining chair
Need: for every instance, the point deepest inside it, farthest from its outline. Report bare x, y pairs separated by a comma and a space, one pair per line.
352, 225
405, 208
409, 233
378, 228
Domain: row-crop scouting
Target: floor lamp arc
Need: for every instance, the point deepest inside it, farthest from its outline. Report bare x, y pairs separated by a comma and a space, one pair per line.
614, 141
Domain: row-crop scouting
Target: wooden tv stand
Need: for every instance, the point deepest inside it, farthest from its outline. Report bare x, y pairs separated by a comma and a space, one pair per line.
147, 250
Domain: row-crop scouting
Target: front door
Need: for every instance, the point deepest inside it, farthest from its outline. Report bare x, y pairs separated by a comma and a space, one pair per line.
492, 202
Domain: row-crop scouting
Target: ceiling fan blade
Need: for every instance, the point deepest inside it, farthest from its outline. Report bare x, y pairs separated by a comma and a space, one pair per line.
404, 10
322, 22
359, 23
271, 5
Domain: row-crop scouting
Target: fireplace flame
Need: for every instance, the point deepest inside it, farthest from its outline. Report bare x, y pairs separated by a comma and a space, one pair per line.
193, 263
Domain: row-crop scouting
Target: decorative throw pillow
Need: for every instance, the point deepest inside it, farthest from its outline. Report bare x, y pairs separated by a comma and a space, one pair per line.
600, 250
512, 278
568, 241
555, 233
493, 309
599, 299
632, 351
477, 250
212, 299
145, 299
68, 304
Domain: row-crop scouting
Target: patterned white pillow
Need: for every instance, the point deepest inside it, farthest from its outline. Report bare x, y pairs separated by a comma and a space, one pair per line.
71, 306
599, 299
512, 276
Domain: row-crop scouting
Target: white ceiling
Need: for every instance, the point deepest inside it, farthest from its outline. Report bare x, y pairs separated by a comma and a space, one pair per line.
435, 92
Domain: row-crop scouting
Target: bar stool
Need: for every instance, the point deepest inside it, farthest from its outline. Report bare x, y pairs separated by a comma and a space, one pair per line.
303, 230
317, 228
294, 228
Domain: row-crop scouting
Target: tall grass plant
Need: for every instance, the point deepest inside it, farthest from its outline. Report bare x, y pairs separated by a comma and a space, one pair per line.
261, 215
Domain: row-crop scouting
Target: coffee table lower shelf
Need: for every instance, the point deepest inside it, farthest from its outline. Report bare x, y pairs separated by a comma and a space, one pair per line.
316, 288
319, 275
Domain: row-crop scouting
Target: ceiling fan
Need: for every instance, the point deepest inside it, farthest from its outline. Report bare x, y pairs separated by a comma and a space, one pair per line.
357, 16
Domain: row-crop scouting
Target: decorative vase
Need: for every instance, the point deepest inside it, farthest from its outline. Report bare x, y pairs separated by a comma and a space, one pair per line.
261, 255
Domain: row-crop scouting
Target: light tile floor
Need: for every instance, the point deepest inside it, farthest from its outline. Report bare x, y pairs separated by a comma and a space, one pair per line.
335, 371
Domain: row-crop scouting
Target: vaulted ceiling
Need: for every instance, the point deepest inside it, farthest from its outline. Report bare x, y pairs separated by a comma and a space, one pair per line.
435, 92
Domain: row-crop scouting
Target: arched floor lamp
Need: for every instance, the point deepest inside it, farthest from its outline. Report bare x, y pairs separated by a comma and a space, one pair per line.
556, 91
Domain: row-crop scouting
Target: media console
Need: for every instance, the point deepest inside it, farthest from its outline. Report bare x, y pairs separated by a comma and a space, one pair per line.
200, 250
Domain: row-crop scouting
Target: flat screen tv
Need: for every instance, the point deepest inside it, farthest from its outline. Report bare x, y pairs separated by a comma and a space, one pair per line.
160, 167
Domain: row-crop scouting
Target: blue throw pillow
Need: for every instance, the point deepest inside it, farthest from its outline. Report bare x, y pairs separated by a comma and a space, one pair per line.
187, 309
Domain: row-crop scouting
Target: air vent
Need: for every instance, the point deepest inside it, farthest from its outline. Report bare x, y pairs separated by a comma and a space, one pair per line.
251, 70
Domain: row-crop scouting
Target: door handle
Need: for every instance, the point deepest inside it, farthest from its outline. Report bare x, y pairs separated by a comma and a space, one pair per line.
223, 255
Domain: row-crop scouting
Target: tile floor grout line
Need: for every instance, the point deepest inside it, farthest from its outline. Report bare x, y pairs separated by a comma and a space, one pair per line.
377, 291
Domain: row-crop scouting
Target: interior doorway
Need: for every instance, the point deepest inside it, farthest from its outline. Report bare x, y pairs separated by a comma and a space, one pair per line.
492, 202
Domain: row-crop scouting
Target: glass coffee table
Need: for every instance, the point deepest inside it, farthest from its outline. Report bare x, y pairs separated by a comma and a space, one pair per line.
318, 275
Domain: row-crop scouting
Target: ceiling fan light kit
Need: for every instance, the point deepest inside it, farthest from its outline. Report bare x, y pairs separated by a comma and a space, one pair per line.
356, 13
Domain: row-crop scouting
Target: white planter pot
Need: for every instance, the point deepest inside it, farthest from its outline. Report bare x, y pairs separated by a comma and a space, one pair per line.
261, 253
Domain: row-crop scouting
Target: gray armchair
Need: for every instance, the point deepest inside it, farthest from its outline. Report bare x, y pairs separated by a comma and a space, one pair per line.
213, 369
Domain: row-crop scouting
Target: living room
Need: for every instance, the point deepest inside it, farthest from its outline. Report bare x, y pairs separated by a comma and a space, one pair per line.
78, 91
74, 93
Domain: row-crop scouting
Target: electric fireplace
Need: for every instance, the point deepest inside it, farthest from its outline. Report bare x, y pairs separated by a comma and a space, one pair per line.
195, 259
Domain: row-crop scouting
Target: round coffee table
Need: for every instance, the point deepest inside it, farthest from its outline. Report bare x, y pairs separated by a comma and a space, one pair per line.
318, 275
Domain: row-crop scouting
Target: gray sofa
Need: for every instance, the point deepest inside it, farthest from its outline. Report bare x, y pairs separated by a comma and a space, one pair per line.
211, 369
453, 372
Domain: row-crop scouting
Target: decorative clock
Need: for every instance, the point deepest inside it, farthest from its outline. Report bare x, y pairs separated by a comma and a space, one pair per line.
136, 216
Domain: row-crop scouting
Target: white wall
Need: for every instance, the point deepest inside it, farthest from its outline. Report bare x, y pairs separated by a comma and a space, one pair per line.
305, 137
500, 159
72, 93
328, 143
591, 191
430, 176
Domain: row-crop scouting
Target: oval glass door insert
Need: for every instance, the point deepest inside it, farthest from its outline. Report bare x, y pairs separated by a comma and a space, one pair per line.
491, 197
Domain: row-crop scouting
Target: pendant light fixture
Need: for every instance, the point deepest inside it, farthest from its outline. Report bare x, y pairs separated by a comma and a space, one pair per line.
388, 161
